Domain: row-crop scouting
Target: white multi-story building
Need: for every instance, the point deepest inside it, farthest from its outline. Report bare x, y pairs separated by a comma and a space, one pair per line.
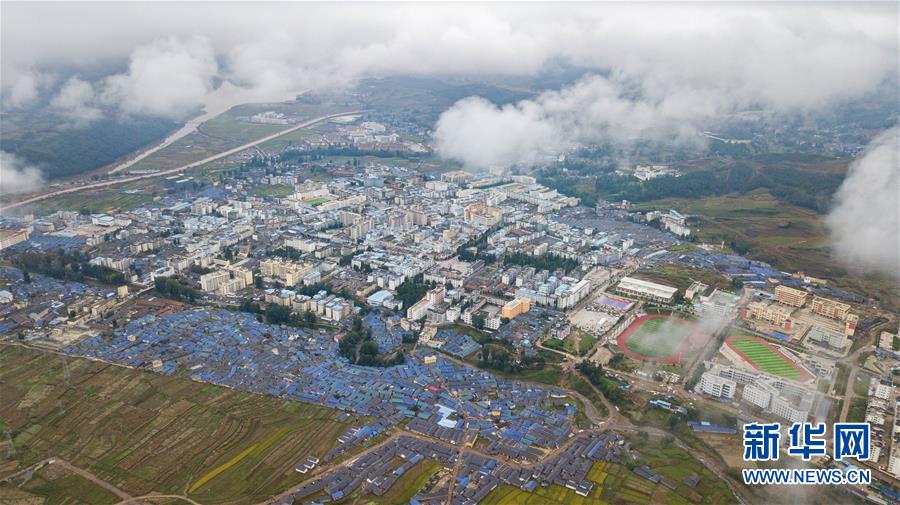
834, 339
638, 288
736, 374
758, 394
226, 282
288, 272
795, 412
717, 386
780, 397
420, 309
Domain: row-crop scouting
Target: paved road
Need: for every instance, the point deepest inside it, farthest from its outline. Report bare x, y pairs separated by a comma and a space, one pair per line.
182, 168
849, 392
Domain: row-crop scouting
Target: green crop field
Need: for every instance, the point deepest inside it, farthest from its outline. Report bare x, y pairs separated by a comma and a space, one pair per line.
765, 358
658, 337
553, 494
56, 485
95, 202
145, 432
272, 190
614, 483
402, 490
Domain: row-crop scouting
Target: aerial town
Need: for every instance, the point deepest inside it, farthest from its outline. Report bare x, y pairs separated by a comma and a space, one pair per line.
451, 253
429, 308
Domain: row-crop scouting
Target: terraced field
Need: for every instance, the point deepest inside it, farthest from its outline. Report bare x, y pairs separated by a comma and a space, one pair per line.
145, 432
614, 483
553, 494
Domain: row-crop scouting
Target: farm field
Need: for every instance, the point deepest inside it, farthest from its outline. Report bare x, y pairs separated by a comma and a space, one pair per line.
94, 203
276, 146
764, 357
403, 489
280, 190
56, 485
144, 432
228, 130
789, 237
657, 337
615, 483
195, 146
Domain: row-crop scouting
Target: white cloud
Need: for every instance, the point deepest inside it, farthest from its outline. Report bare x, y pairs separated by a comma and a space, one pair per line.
24, 88
484, 136
168, 77
865, 222
783, 56
76, 101
595, 109
17, 176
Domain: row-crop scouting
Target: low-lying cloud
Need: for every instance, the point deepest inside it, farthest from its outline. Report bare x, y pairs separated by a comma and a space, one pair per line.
76, 102
687, 60
24, 88
168, 77
865, 221
17, 176
596, 109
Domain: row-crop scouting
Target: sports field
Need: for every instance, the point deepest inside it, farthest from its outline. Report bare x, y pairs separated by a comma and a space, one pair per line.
658, 337
315, 202
763, 356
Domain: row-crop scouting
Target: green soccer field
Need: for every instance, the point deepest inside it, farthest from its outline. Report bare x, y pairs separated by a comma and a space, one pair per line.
658, 337
765, 358
315, 202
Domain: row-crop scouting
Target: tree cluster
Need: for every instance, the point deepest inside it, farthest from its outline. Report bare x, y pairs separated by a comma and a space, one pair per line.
172, 287
594, 373
548, 261
74, 266
360, 348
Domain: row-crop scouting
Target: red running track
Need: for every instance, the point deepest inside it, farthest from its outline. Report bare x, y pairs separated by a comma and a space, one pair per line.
686, 343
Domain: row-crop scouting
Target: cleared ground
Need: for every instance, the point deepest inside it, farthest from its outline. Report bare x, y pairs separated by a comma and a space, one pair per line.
144, 432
